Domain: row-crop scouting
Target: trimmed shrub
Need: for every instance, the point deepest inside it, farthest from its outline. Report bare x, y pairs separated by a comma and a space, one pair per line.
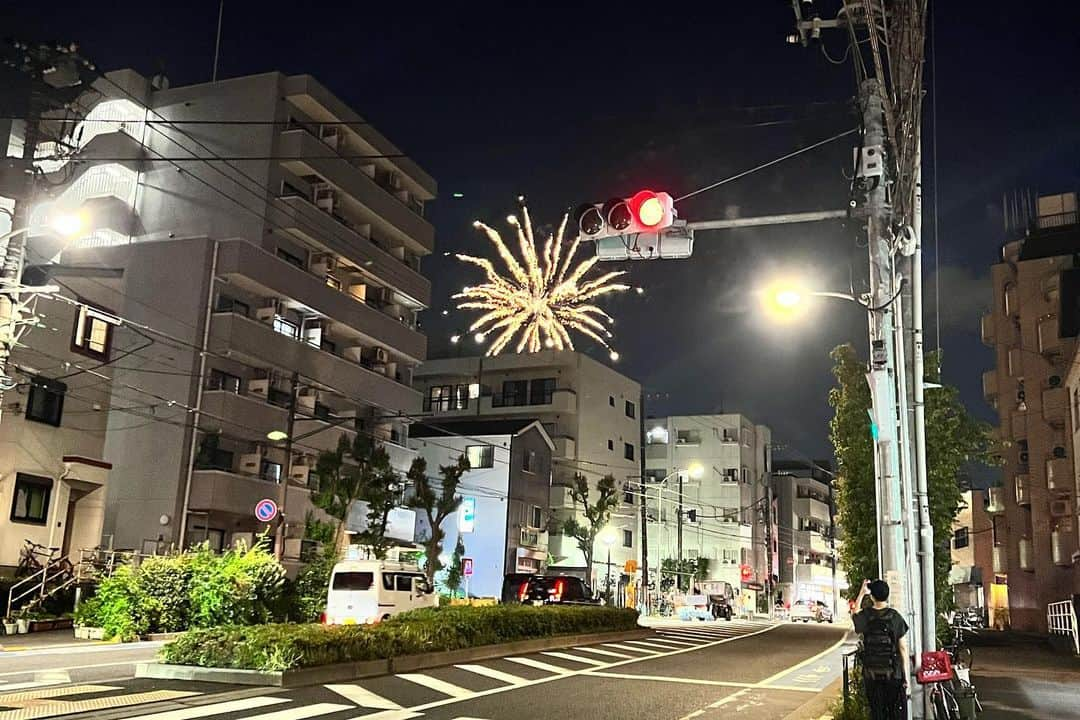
308, 593
282, 647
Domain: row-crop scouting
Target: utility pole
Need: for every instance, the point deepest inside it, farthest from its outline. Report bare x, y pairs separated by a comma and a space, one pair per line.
283, 486
643, 593
767, 480
678, 541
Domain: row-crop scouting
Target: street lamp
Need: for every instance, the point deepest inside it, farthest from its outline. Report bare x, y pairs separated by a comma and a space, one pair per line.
608, 538
789, 298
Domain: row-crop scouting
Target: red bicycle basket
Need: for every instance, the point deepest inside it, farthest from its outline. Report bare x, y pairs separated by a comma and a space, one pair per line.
936, 666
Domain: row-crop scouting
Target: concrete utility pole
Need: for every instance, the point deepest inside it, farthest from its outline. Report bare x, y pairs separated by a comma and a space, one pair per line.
283, 486
643, 592
678, 541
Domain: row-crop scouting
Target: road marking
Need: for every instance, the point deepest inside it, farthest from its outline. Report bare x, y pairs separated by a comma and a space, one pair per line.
199, 711
41, 708
540, 666
630, 648
74, 667
673, 643
11, 698
301, 712
493, 674
650, 644
362, 697
6, 687
105, 647
804, 663
391, 715
574, 658
666, 678
436, 684
597, 651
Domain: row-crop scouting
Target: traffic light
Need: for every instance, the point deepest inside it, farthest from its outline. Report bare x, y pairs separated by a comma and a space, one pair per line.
645, 211
691, 515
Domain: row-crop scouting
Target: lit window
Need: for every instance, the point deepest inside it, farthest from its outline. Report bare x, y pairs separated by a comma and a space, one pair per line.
480, 456
537, 517
93, 333
474, 391
286, 327
31, 504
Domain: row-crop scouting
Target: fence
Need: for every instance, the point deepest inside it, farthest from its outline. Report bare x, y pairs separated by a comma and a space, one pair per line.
1061, 620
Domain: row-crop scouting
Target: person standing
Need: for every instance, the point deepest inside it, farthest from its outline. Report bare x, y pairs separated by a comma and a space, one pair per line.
885, 668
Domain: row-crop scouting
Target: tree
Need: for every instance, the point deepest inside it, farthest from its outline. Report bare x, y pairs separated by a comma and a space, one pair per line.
596, 515
359, 471
455, 574
953, 438
437, 506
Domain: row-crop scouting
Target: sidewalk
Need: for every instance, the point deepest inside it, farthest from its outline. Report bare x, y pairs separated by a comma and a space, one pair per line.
1021, 676
50, 639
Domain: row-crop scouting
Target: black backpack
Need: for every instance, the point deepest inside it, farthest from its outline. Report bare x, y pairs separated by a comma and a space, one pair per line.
880, 654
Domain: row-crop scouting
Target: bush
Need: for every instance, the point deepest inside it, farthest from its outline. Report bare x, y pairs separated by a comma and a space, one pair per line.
308, 593
281, 647
238, 587
123, 610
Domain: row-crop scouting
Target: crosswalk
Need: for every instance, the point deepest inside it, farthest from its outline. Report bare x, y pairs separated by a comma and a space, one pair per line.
392, 697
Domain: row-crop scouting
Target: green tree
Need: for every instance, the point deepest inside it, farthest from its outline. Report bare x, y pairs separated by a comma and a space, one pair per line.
437, 505
596, 514
454, 575
953, 438
359, 471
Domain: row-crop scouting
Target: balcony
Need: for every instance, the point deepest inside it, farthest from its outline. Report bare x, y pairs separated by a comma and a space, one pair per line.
1016, 362
811, 508
1059, 474
1055, 404
1061, 547
222, 491
565, 447
813, 574
1023, 489
987, 330
532, 538
1012, 301
1051, 288
812, 542
232, 333
370, 198
561, 400
990, 385
1027, 555
996, 504
1000, 560
1049, 342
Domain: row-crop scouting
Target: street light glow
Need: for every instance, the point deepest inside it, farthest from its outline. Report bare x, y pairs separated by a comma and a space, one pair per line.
68, 224
695, 471
785, 299
277, 435
608, 536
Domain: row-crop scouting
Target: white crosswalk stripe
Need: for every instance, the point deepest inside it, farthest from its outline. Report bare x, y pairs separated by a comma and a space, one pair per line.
200, 711
362, 697
301, 712
556, 669
649, 644
631, 648
436, 684
674, 643
608, 653
573, 658
493, 674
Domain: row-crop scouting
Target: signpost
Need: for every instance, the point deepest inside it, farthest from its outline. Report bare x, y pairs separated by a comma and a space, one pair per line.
466, 572
467, 514
266, 510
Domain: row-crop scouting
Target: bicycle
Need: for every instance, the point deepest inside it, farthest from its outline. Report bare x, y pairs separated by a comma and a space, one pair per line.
947, 685
29, 558
961, 653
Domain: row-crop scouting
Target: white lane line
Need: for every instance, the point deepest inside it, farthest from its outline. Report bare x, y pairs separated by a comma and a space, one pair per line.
802, 664
436, 684
529, 662
199, 711
574, 658
674, 643
493, 674
391, 715
666, 678
654, 646
362, 697
630, 648
300, 712
598, 651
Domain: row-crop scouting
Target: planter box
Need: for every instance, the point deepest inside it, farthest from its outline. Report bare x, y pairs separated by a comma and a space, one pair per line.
344, 672
43, 625
85, 632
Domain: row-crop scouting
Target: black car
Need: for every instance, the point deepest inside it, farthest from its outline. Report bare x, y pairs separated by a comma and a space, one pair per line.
555, 590
720, 607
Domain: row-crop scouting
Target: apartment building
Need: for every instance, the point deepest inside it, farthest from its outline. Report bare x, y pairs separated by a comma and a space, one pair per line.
965, 575
502, 519
297, 258
806, 533
722, 464
591, 412
1032, 328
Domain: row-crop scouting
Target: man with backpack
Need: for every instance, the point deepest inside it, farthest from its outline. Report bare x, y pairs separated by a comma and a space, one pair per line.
885, 668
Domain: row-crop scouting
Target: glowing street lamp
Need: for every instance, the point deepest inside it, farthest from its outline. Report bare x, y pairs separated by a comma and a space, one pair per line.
695, 470
788, 299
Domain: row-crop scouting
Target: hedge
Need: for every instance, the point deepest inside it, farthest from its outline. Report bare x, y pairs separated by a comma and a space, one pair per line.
284, 647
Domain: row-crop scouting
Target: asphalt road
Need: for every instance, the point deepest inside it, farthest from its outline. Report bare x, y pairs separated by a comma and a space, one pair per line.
74, 662
682, 672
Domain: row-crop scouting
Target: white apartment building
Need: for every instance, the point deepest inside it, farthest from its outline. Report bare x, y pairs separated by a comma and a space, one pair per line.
300, 254
591, 412
733, 457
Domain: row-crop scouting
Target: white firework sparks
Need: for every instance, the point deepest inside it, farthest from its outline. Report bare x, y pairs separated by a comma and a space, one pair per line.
543, 299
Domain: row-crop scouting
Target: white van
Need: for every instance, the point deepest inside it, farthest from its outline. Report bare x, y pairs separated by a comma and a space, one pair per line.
363, 592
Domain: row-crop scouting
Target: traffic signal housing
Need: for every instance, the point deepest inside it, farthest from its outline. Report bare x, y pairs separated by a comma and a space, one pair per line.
645, 211
691, 515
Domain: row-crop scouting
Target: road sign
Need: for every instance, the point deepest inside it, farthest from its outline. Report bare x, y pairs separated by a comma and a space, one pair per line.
466, 566
467, 515
265, 510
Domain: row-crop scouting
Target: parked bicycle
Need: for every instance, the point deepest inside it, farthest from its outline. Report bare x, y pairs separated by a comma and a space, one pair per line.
34, 558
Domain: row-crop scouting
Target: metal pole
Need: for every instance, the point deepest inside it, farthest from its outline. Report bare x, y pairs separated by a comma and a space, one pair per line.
761, 220
607, 582
912, 578
217, 42
678, 563
644, 591
283, 486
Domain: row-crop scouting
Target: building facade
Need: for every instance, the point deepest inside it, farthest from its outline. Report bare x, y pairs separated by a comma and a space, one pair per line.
722, 463
286, 276
502, 520
592, 414
806, 532
1032, 328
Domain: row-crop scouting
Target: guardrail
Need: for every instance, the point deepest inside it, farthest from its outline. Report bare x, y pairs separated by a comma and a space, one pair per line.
1061, 620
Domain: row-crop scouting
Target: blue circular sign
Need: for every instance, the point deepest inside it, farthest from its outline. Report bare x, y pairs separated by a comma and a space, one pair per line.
266, 510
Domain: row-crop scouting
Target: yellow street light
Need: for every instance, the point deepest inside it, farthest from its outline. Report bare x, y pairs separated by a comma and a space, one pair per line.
785, 299
696, 471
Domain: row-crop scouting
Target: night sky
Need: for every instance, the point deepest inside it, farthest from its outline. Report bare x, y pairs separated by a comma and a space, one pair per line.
567, 104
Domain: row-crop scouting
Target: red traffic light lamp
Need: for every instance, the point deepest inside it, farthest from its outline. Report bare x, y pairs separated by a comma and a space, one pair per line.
644, 212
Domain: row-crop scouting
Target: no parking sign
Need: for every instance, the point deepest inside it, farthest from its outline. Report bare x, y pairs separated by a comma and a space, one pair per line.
266, 510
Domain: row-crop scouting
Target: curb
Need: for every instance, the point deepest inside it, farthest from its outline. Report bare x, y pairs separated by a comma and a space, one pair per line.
817, 706
341, 672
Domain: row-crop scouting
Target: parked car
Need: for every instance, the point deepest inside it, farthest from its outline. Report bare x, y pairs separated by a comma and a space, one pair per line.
512, 585
824, 612
556, 590
804, 611
364, 592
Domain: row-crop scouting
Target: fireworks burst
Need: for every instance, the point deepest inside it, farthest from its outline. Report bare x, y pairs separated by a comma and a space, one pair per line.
543, 299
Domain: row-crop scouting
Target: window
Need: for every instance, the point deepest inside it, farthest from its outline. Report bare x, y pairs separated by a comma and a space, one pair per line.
357, 581
610, 444
221, 380
333, 282
290, 258
438, 399
746, 475
270, 471
960, 538
514, 393
231, 304
611, 400
747, 437
628, 451
631, 410
403, 583
93, 333
537, 519
528, 461
45, 403
688, 437
31, 499
997, 530
480, 456
627, 538
388, 581
541, 390
286, 327
730, 475
628, 496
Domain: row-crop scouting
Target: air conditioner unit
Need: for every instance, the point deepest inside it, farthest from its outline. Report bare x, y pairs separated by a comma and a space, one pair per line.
330, 135
381, 356
1061, 507
251, 463
306, 399
269, 311
299, 474
324, 196
380, 295
354, 353
259, 386
323, 264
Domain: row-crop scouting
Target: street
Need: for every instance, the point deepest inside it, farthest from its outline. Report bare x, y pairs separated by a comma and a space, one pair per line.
742, 668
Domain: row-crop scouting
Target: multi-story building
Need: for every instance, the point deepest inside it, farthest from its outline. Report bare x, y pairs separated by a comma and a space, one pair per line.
502, 519
261, 232
965, 575
1032, 328
806, 532
722, 464
591, 412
